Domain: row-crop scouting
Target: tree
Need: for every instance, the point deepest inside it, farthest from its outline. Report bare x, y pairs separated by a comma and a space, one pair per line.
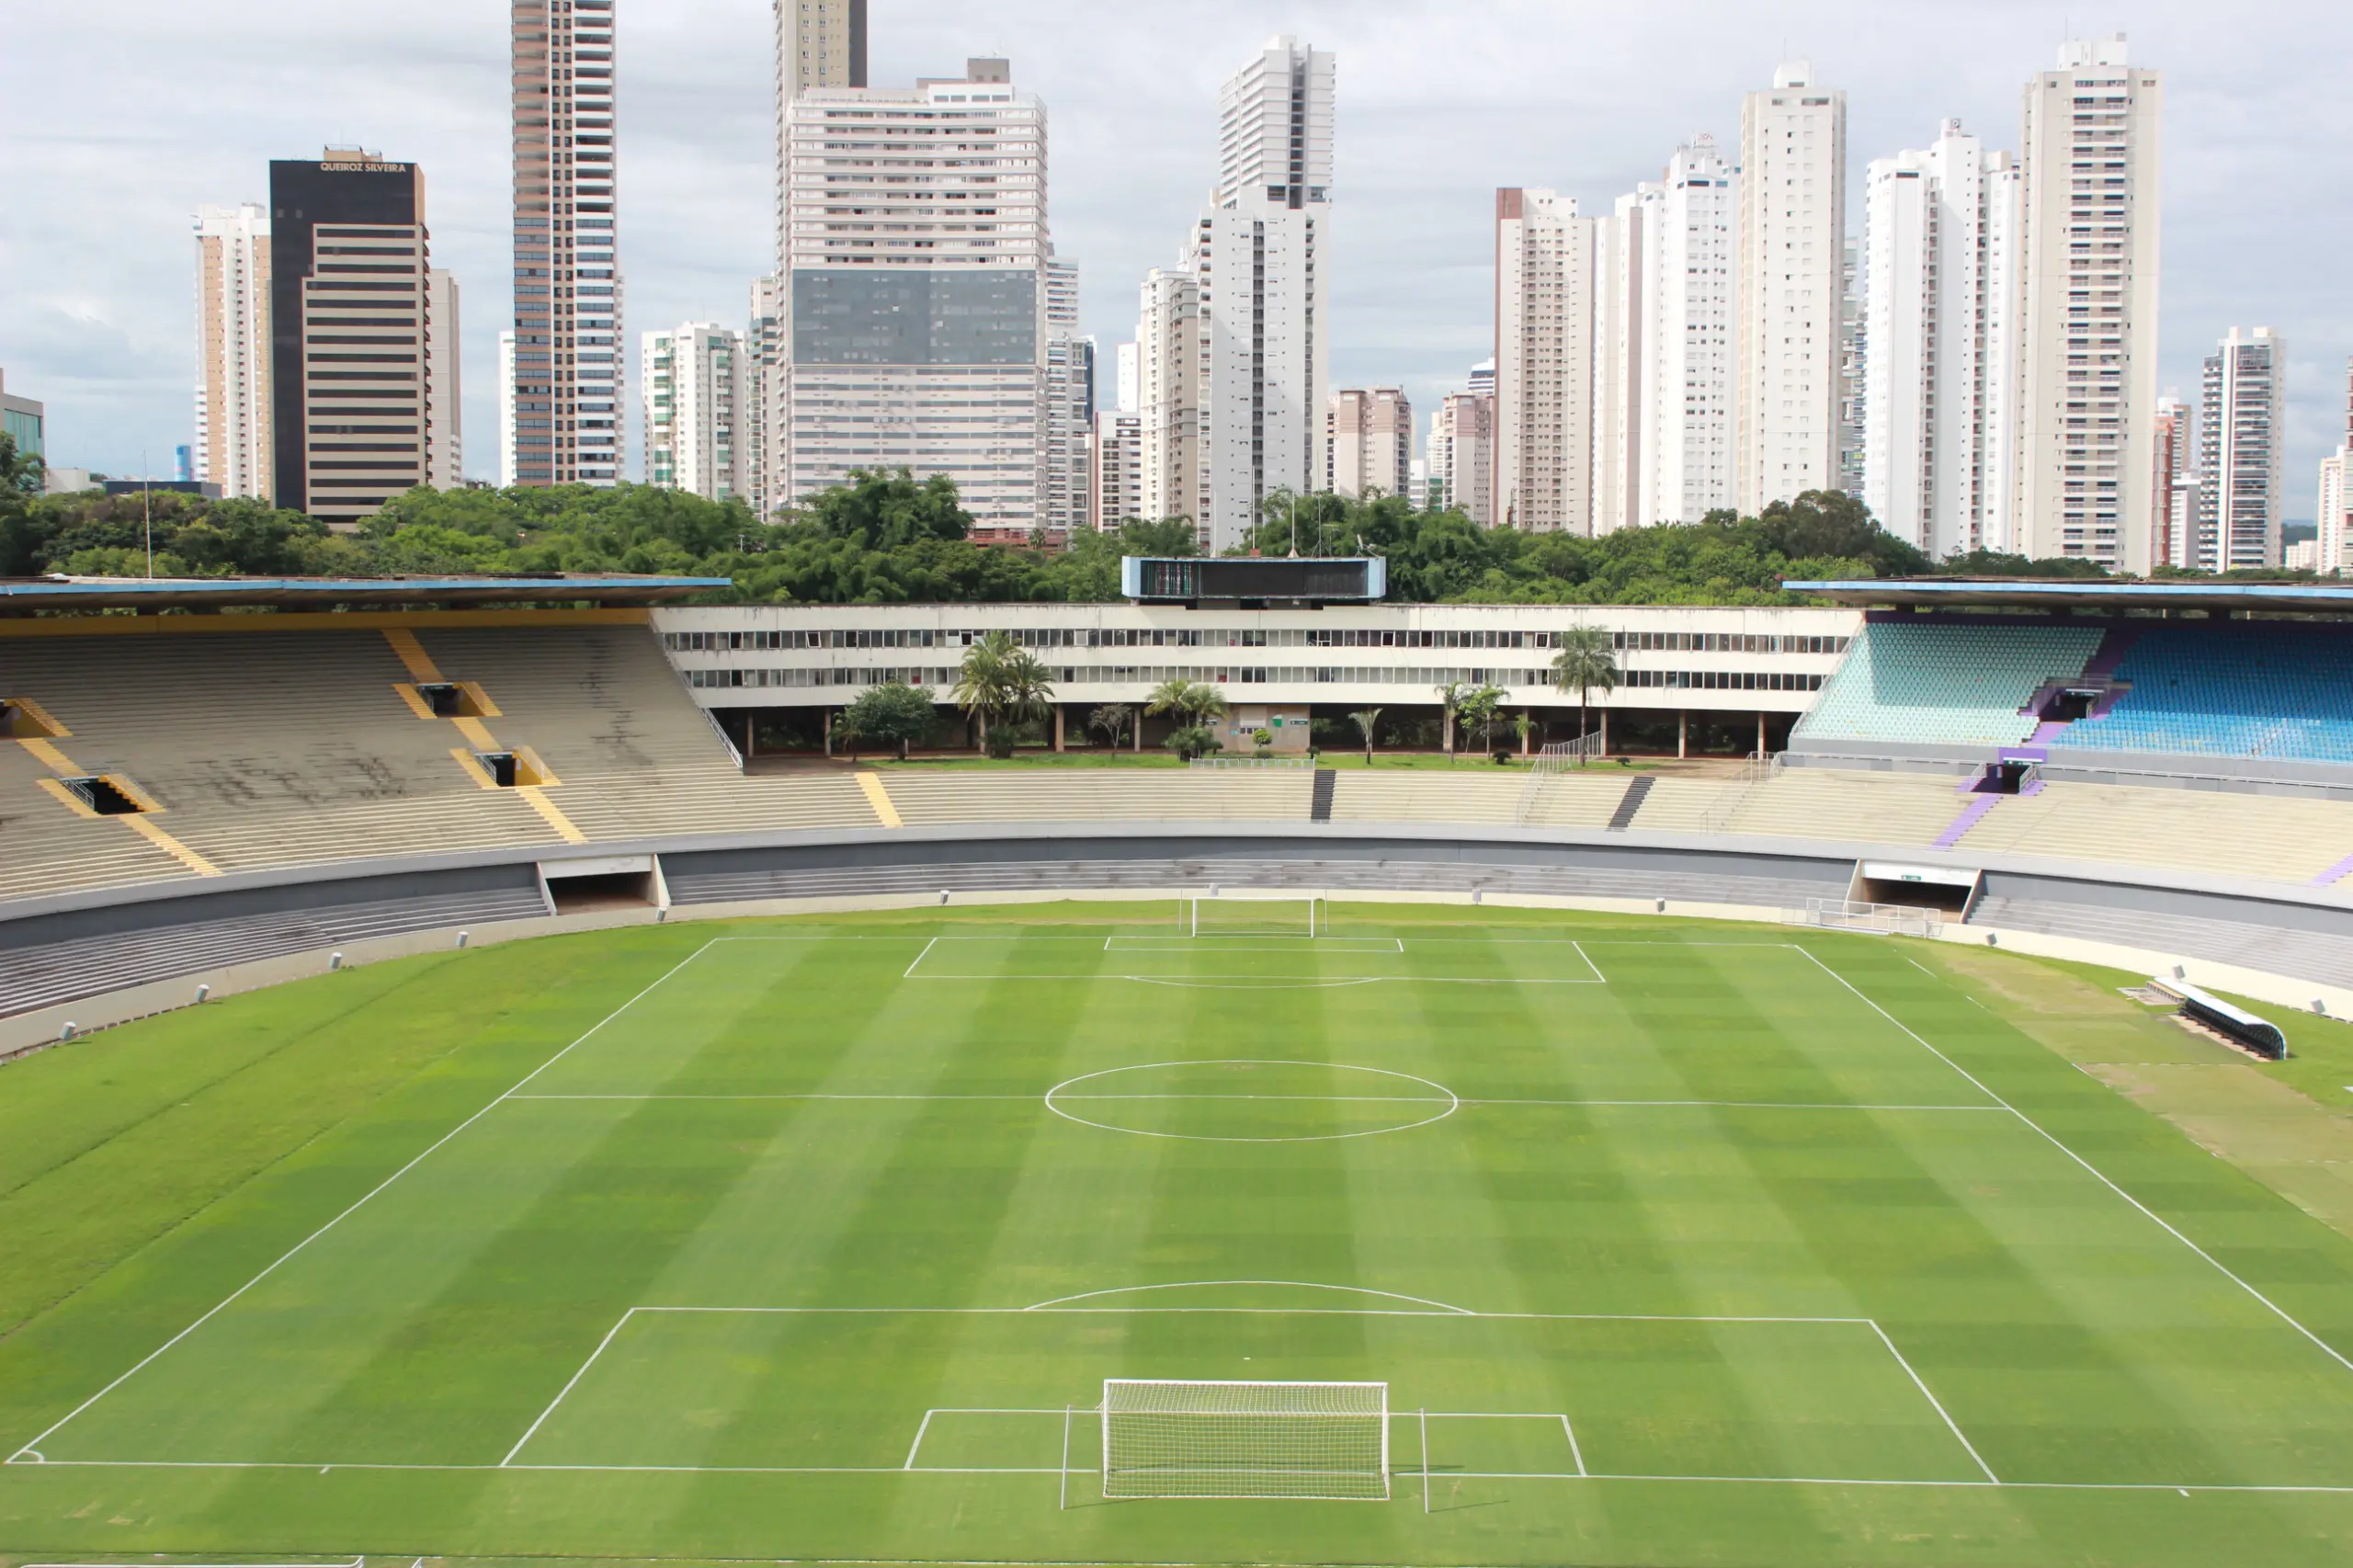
1111, 721
882, 510
1367, 720
1449, 703
893, 713
983, 684
1588, 658
1029, 688
1169, 536
1478, 708
1523, 724
1193, 740
21, 473
1193, 702
1262, 738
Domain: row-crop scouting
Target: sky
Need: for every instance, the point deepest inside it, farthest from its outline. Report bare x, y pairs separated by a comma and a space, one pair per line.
119, 120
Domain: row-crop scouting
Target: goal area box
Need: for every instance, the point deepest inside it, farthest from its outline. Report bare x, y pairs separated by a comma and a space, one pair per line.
1177, 1439
1254, 915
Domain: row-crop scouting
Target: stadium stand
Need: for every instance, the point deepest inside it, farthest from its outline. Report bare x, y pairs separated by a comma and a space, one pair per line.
2245, 691
2292, 839
2322, 956
46, 848
1870, 808
633, 756
925, 800
1956, 682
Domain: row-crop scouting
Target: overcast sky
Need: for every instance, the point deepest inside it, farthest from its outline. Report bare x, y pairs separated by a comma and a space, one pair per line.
119, 117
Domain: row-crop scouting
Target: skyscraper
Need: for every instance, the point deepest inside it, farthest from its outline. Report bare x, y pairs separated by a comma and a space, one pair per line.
1117, 489
1262, 256
1544, 370
1172, 355
1940, 242
445, 447
2173, 489
1461, 455
2241, 456
349, 333
694, 380
1685, 465
2335, 515
1067, 428
506, 418
2088, 291
1792, 228
233, 403
819, 43
1371, 442
920, 342
568, 373
1620, 353
766, 365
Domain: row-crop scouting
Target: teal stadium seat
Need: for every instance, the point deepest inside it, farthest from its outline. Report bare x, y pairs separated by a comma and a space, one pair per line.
1944, 682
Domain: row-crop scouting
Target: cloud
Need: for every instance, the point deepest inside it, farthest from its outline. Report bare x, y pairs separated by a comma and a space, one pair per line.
122, 119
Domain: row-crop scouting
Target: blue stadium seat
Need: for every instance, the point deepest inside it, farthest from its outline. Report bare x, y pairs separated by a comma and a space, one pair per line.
2277, 690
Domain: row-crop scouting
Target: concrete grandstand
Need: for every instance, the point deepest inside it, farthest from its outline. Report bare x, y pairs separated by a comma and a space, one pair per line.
190, 794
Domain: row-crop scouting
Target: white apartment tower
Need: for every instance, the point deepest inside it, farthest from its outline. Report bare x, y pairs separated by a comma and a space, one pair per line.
1262, 253
1371, 442
2241, 456
2088, 293
568, 382
1941, 244
1544, 363
1463, 455
1172, 366
1117, 491
2173, 489
445, 448
1683, 469
506, 480
762, 413
2335, 516
1620, 346
1792, 231
233, 360
1068, 428
696, 382
915, 310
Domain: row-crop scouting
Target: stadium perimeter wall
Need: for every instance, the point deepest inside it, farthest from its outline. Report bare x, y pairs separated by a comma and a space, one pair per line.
176, 941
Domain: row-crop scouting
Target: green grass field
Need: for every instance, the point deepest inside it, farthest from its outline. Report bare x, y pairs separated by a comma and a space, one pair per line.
1695, 1243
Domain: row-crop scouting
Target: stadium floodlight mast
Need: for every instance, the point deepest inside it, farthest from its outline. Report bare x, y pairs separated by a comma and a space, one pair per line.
1173, 1437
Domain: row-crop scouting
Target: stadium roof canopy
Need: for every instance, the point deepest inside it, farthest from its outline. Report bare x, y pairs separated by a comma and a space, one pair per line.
2063, 594
20, 596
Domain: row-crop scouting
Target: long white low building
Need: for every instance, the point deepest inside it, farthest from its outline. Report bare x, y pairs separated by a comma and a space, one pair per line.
1682, 668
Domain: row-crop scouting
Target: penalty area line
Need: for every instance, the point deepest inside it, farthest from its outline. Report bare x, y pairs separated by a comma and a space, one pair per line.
288, 1255
570, 1384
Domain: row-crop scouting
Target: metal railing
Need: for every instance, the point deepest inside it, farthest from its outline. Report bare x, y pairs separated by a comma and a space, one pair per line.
1886, 919
1219, 763
1554, 758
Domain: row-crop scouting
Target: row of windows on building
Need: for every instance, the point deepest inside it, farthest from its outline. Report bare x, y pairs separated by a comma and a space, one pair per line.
1153, 674
1234, 637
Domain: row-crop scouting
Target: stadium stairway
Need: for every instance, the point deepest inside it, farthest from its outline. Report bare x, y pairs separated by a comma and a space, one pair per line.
46, 848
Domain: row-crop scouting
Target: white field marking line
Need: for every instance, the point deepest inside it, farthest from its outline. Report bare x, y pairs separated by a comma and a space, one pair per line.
918, 1442
570, 1384
1736, 1105
1935, 1404
355, 1563
1443, 1309
633, 1099
1566, 1430
1268, 982
1451, 1101
2194, 1486
1118, 944
1599, 978
970, 1410
1466, 1100
2326, 1348
1576, 1452
910, 971
357, 1205
1060, 1302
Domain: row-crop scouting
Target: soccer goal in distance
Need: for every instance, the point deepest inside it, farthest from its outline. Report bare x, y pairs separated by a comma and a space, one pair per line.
1254, 915
1171, 1438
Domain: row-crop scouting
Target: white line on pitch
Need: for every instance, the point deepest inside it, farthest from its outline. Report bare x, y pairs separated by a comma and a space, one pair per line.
570, 1384
1367, 1100
918, 1442
1934, 1402
363, 1199
1598, 977
1574, 1452
2096, 1174
910, 971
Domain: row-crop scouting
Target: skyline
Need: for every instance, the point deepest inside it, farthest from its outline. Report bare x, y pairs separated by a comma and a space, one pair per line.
97, 319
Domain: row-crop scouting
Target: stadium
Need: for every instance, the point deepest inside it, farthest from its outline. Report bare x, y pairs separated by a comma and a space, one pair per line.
498, 1068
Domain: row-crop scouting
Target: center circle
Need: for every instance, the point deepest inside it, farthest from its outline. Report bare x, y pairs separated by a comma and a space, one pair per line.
1250, 1101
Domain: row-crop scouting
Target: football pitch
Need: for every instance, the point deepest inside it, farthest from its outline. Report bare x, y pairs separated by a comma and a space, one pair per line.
1670, 1242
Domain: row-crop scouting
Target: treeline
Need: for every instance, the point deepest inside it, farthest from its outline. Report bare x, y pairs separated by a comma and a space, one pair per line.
890, 538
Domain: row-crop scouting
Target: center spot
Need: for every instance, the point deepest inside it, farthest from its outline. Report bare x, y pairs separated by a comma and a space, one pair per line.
1250, 1101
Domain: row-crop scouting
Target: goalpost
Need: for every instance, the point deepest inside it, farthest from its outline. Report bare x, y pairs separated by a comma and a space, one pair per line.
1253, 915
1171, 1438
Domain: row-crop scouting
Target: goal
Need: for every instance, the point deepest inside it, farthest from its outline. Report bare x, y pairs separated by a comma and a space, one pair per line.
1166, 1439
1253, 915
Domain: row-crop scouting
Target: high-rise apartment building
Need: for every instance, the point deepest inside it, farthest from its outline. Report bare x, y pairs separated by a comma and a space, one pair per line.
697, 409
1127, 384
1854, 339
1461, 456
2173, 511
1067, 422
1172, 368
1118, 486
1544, 367
506, 478
2334, 518
349, 333
1941, 241
916, 311
233, 406
1684, 467
1262, 256
445, 446
1791, 230
2242, 458
1371, 442
2088, 302
569, 378
1620, 355
765, 364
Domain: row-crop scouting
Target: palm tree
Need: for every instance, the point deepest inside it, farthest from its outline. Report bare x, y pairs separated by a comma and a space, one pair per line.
1449, 703
981, 688
1111, 721
1029, 688
1588, 659
1367, 720
1190, 701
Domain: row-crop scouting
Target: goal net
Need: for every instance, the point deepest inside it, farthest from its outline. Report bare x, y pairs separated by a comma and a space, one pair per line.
1164, 1438
1253, 915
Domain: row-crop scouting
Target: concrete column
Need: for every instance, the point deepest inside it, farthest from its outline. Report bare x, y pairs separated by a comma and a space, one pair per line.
1528, 741
1760, 733
1135, 732
1058, 727
750, 733
1683, 734
1605, 732
825, 718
